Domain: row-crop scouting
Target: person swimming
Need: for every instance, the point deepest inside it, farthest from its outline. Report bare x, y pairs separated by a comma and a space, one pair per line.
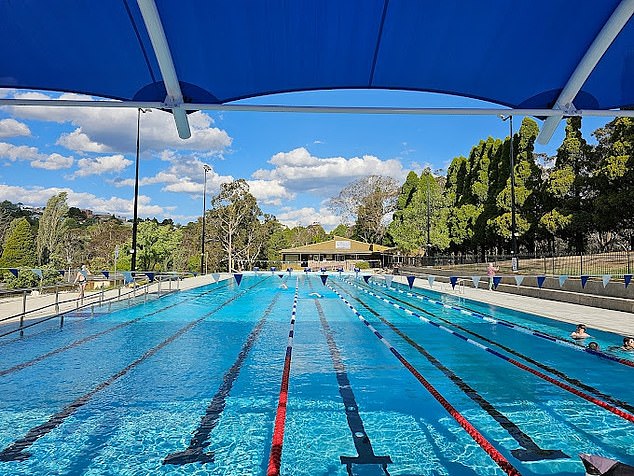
628, 343
580, 332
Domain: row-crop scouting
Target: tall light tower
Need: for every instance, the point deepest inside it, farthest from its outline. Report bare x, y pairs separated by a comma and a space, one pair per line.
512, 173
136, 188
206, 168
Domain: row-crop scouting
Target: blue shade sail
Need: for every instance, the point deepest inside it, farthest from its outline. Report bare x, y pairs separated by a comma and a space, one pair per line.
517, 54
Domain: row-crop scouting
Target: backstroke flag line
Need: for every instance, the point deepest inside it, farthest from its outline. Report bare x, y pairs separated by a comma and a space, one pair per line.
238, 278
410, 281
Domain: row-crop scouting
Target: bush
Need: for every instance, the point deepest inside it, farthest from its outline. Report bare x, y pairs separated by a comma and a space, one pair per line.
28, 279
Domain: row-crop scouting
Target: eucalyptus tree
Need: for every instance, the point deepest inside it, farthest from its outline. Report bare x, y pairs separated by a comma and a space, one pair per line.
233, 218
50, 227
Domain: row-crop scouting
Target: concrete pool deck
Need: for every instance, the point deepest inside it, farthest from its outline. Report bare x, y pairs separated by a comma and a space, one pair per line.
618, 322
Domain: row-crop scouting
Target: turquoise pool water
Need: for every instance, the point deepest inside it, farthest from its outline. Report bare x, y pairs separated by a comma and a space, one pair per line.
190, 385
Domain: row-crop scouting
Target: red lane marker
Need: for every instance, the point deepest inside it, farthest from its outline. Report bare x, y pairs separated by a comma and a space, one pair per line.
275, 457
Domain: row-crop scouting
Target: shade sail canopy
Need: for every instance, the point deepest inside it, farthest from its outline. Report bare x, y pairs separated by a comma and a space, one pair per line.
515, 54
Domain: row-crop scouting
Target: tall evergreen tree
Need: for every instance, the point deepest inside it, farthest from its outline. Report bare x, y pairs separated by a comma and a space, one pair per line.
50, 227
19, 245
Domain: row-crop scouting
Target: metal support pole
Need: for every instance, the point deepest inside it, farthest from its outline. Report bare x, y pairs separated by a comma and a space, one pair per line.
56, 299
159, 288
23, 313
206, 169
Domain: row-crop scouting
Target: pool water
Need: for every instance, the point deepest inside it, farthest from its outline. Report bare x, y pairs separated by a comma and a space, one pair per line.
190, 385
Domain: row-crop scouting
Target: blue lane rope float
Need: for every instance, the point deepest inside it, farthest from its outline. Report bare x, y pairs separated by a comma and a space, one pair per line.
585, 396
499, 459
510, 325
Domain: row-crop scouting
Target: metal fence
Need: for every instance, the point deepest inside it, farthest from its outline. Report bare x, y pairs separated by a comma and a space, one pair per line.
615, 263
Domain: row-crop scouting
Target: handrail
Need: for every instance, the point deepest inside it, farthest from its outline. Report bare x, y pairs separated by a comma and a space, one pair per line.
94, 298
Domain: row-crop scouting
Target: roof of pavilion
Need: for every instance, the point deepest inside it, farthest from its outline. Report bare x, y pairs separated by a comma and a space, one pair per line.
338, 245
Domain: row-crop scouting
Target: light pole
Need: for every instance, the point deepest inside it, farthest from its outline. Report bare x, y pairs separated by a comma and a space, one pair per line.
136, 188
206, 168
512, 163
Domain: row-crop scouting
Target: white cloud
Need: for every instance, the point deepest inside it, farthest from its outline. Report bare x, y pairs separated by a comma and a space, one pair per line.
13, 128
307, 216
110, 129
37, 197
269, 192
53, 162
18, 152
299, 171
101, 165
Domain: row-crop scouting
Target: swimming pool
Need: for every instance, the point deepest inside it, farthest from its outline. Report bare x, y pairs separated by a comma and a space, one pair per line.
345, 375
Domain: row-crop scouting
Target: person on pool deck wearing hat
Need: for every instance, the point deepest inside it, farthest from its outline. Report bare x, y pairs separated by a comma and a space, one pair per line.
580, 332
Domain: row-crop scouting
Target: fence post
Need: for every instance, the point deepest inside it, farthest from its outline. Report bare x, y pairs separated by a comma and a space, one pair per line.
119, 294
628, 261
159, 288
23, 313
581, 262
145, 295
56, 299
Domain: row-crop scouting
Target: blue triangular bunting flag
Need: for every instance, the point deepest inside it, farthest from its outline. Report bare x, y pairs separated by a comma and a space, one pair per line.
280, 275
453, 280
584, 280
273, 269
366, 278
410, 281
150, 276
388, 280
324, 278
215, 277
306, 270
562, 279
106, 273
540, 281
14, 272
127, 277
238, 278
496, 281
606, 279
37, 272
627, 278
289, 270
476, 281
518, 279
256, 268
430, 280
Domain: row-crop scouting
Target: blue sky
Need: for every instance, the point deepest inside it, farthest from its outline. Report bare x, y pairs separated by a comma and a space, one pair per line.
293, 162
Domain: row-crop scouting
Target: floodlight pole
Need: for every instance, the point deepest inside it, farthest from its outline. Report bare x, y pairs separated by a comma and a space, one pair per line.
206, 168
512, 174
136, 188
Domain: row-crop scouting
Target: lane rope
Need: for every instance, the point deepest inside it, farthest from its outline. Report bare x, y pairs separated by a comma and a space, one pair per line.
617, 411
516, 327
499, 459
275, 456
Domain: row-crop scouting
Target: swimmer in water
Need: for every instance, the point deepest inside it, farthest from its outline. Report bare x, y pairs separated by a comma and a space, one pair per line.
315, 294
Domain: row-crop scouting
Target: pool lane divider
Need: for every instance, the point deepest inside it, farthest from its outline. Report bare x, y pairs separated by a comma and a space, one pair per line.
530, 450
59, 350
510, 325
611, 408
362, 443
275, 455
195, 452
16, 450
608, 398
495, 455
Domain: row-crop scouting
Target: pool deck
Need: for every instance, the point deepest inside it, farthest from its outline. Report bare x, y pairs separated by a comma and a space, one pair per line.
618, 322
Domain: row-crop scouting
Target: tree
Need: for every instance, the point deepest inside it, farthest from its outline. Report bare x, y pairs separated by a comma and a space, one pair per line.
613, 180
566, 196
367, 202
50, 227
342, 230
426, 210
232, 218
19, 245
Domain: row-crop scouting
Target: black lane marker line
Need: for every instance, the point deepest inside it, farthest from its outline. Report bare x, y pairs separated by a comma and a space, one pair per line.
15, 451
195, 452
360, 438
530, 450
571, 380
53, 352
